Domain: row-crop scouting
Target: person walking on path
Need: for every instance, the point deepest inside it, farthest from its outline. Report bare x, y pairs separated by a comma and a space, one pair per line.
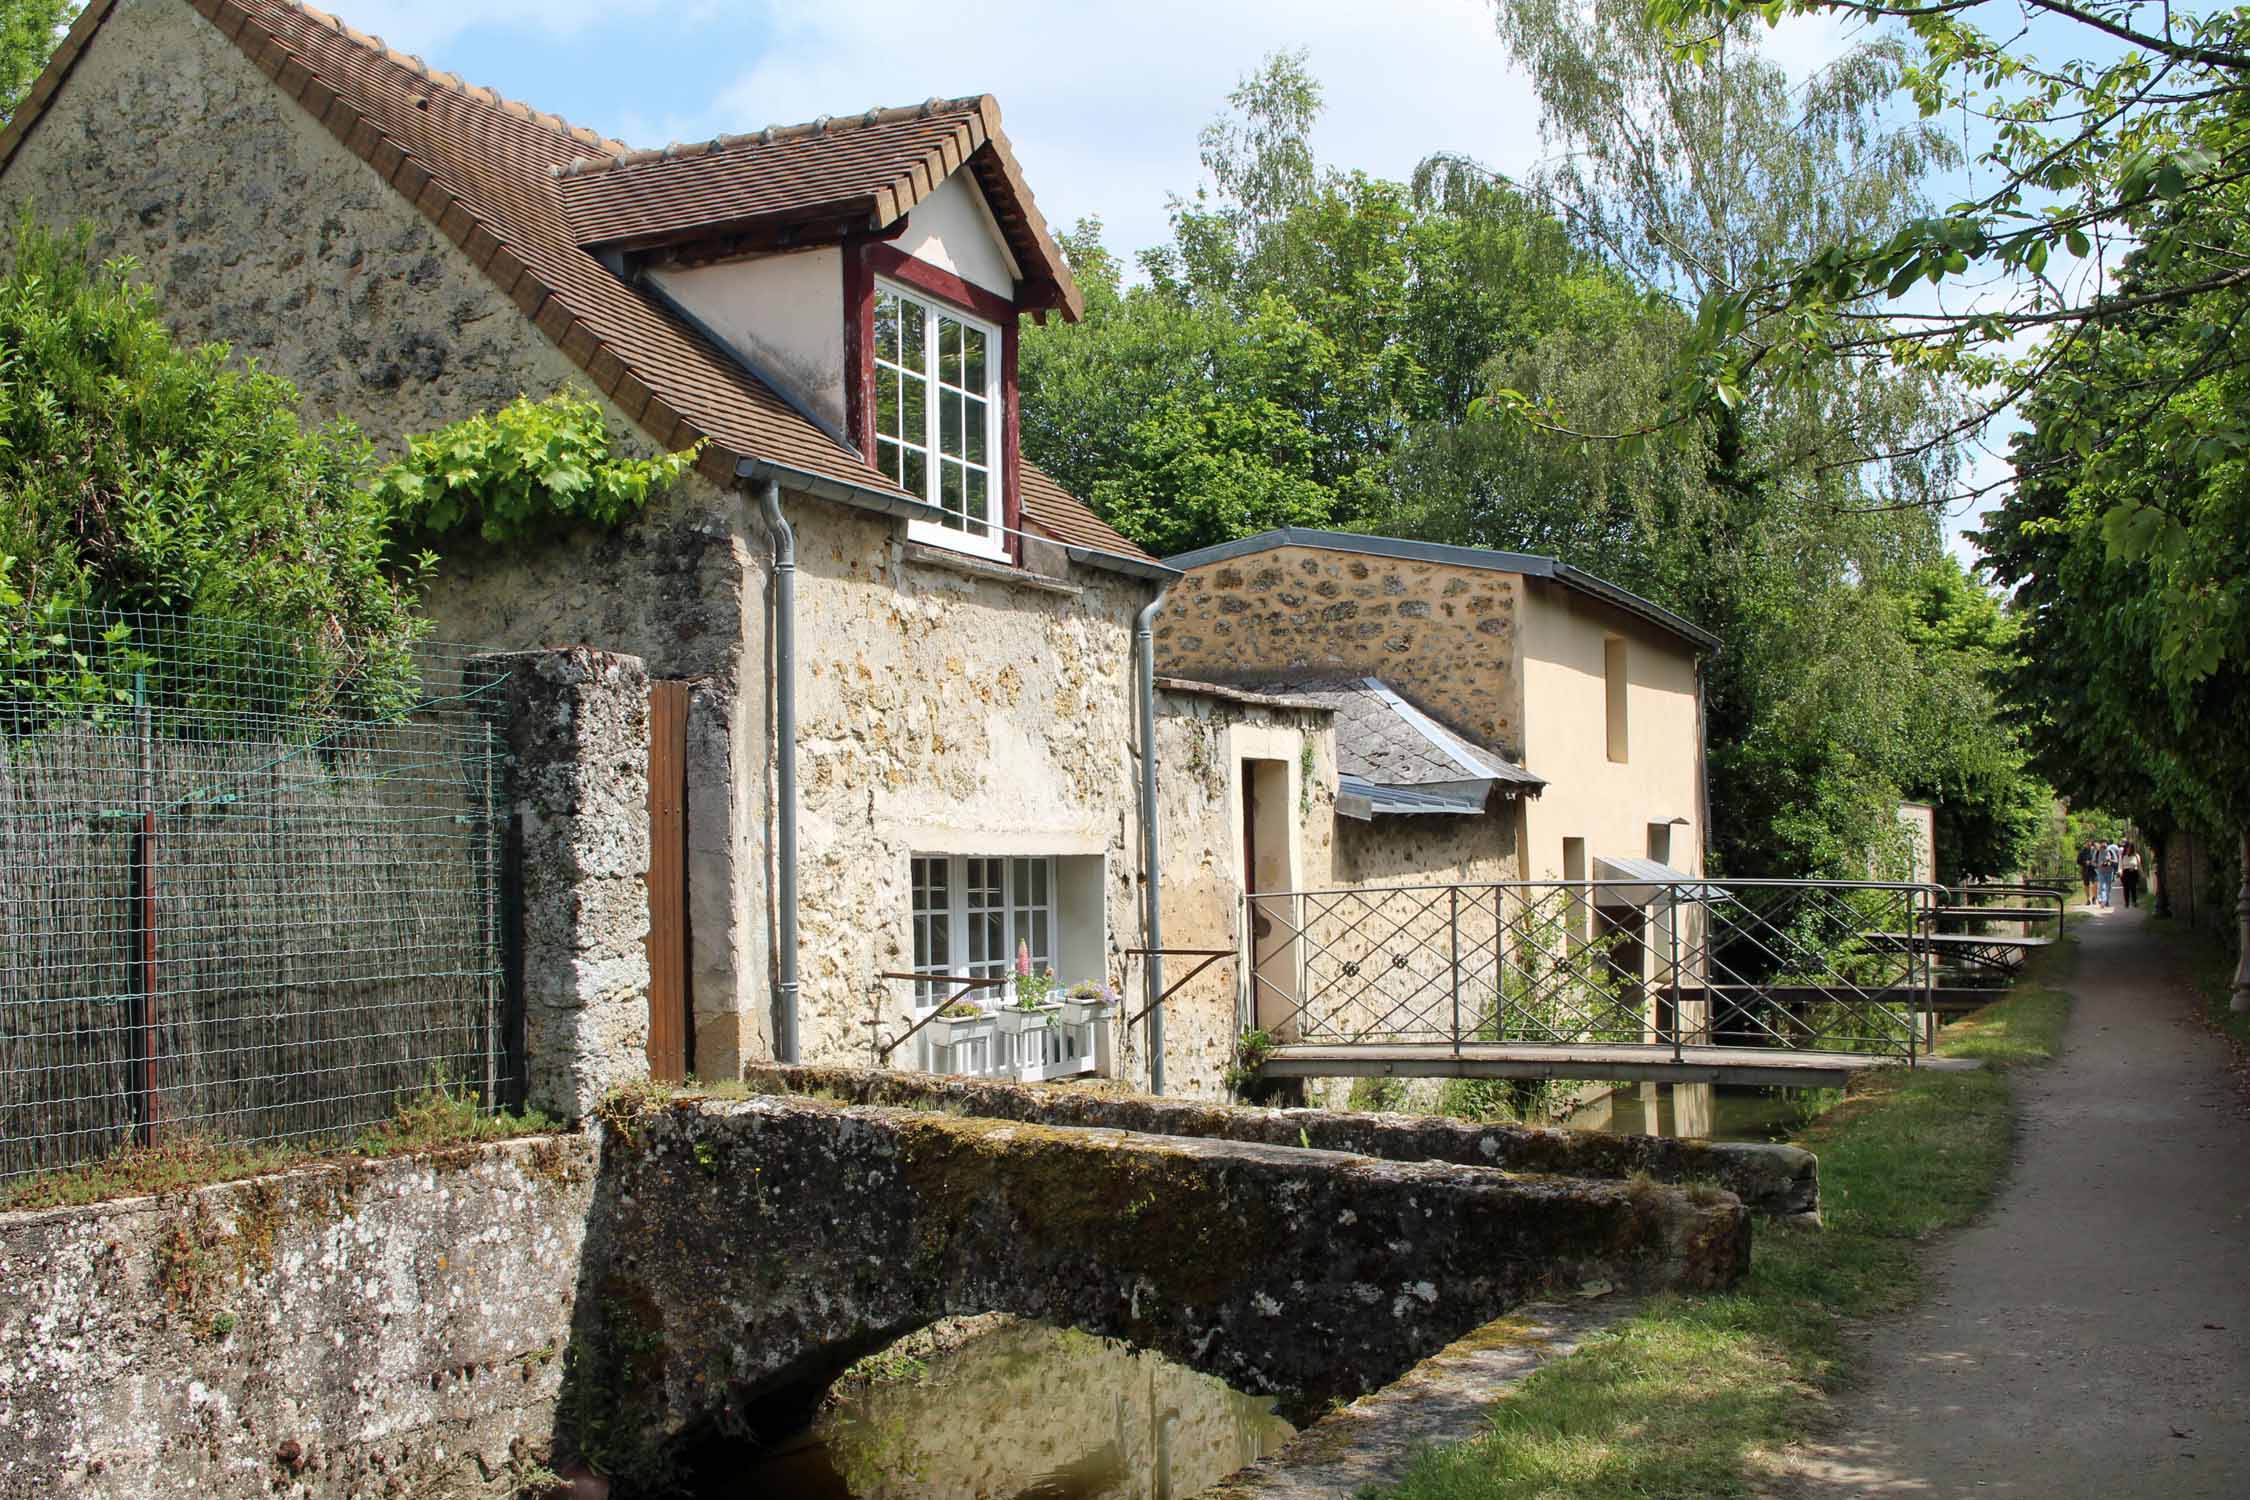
2088, 1337
2105, 872
2086, 868
2129, 873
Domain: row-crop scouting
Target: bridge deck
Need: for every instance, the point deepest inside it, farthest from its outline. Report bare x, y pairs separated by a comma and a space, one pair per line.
2002, 913
1625, 1062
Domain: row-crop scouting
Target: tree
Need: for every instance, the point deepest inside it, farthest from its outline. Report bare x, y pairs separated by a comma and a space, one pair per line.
2132, 134
29, 30
138, 475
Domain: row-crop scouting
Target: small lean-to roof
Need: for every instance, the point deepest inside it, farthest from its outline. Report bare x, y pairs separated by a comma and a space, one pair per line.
1528, 564
1391, 757
485, 170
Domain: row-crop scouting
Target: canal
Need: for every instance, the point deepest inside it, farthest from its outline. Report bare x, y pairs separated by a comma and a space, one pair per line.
1023, 1412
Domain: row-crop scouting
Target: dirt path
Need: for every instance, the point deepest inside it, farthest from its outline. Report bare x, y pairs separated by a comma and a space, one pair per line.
2090, 1336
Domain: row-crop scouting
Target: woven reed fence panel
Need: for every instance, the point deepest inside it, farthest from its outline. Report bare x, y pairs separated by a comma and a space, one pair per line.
260, 915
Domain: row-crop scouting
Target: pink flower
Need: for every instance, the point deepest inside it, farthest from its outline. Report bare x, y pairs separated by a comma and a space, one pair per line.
1023, 959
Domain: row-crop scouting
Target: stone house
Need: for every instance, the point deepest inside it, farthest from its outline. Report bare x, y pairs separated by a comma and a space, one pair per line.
901, 659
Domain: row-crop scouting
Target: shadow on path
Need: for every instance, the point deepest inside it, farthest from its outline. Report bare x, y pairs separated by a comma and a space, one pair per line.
2090, 1336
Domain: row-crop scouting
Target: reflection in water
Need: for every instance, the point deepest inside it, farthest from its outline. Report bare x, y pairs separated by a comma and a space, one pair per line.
1024, 1413
1697, 1111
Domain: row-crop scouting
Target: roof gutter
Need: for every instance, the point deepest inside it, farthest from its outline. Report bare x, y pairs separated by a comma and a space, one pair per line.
1118, 562
757, 471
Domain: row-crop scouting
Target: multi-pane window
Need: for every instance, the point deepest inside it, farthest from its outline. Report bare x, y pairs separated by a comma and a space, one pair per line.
974, 911
937, 414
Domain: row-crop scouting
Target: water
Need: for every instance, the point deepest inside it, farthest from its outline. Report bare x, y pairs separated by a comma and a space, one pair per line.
1697, 1111
1026, 1412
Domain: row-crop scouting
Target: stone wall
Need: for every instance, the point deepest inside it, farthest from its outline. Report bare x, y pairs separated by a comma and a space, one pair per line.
382, 1328
1774, 1180
1443, 635
256, 226
946, 706
1202, 740
578, 743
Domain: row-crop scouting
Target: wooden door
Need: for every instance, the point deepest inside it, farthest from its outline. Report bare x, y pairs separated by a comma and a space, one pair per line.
668, 997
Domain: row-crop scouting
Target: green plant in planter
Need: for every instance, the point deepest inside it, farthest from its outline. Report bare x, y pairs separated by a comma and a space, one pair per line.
1033, 990
961, 1010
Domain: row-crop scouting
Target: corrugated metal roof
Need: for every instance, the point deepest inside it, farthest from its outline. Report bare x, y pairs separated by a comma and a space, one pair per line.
1653, 875
1362, 799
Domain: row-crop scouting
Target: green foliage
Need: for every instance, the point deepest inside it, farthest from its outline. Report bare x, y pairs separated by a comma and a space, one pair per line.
138, 475
29, 30
529, 471
1316, 347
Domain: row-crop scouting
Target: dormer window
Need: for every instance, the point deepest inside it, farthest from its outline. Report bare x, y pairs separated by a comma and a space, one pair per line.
938, 407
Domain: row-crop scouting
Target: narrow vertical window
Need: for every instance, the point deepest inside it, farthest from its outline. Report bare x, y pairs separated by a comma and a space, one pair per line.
1613, 680
937, 416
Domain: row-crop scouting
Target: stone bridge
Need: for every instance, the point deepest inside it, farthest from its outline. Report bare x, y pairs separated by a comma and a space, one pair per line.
746, 1248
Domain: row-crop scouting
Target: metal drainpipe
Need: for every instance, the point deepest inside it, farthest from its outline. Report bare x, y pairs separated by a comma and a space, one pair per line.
785, 769
1152, 911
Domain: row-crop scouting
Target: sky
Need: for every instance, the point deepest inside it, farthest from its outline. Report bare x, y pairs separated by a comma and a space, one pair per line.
1103, 103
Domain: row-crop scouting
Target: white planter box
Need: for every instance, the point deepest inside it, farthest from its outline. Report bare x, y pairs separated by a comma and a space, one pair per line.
1015, 1021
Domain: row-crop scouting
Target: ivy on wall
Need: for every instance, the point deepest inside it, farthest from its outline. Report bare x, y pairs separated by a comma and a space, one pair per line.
529, 471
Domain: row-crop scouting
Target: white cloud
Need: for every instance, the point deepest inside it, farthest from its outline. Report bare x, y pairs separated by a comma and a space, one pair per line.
1104, 102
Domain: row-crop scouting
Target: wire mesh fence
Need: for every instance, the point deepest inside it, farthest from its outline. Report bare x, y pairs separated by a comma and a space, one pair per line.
1830, 966
249, 883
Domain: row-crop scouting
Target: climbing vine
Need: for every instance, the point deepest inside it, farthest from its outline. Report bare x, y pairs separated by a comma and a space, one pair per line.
530, 470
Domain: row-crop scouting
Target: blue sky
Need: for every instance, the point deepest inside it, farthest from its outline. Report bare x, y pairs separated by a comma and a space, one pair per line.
1102, 102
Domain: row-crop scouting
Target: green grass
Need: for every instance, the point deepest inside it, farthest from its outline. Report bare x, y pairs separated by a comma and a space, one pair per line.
1692, 1396
434, 1119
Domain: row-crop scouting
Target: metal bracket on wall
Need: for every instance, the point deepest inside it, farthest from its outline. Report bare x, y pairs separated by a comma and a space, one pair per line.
964, 985
1209, 956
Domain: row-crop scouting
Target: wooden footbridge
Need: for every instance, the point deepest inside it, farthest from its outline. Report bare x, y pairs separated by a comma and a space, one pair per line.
1649, 975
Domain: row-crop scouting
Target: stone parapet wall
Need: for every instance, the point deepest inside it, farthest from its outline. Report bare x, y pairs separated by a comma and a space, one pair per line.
379, 1328
1773, 1180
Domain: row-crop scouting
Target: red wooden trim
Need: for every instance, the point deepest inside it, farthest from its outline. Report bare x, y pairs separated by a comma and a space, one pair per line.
1011, 466
944, 285
859, 344
880, 259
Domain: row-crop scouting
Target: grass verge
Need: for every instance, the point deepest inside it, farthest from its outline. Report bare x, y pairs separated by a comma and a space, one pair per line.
437, 1118
1693, 1396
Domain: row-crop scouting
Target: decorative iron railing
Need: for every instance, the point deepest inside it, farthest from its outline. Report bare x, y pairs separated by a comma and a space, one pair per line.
1834, 966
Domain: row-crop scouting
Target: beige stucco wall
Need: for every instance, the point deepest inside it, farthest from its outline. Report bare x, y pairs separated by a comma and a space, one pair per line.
255, 225
1589, 796
1443, 635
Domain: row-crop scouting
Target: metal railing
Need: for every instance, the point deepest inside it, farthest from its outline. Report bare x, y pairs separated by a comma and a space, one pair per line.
1832, 966
250, 883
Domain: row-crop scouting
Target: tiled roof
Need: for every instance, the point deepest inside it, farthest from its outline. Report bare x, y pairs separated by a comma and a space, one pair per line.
1383, 739
484, 170
870, 168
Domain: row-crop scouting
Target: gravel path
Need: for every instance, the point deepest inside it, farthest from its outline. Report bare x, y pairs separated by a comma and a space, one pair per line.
2090, 1336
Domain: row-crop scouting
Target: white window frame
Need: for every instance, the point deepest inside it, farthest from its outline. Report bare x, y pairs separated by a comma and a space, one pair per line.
992, 541
1015, 907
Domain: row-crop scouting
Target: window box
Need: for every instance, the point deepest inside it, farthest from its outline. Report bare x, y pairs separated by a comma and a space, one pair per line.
1016, 1020
952, 1031
1084, 1010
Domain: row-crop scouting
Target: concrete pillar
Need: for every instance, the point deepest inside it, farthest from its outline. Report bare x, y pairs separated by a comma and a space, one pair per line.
578, 733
